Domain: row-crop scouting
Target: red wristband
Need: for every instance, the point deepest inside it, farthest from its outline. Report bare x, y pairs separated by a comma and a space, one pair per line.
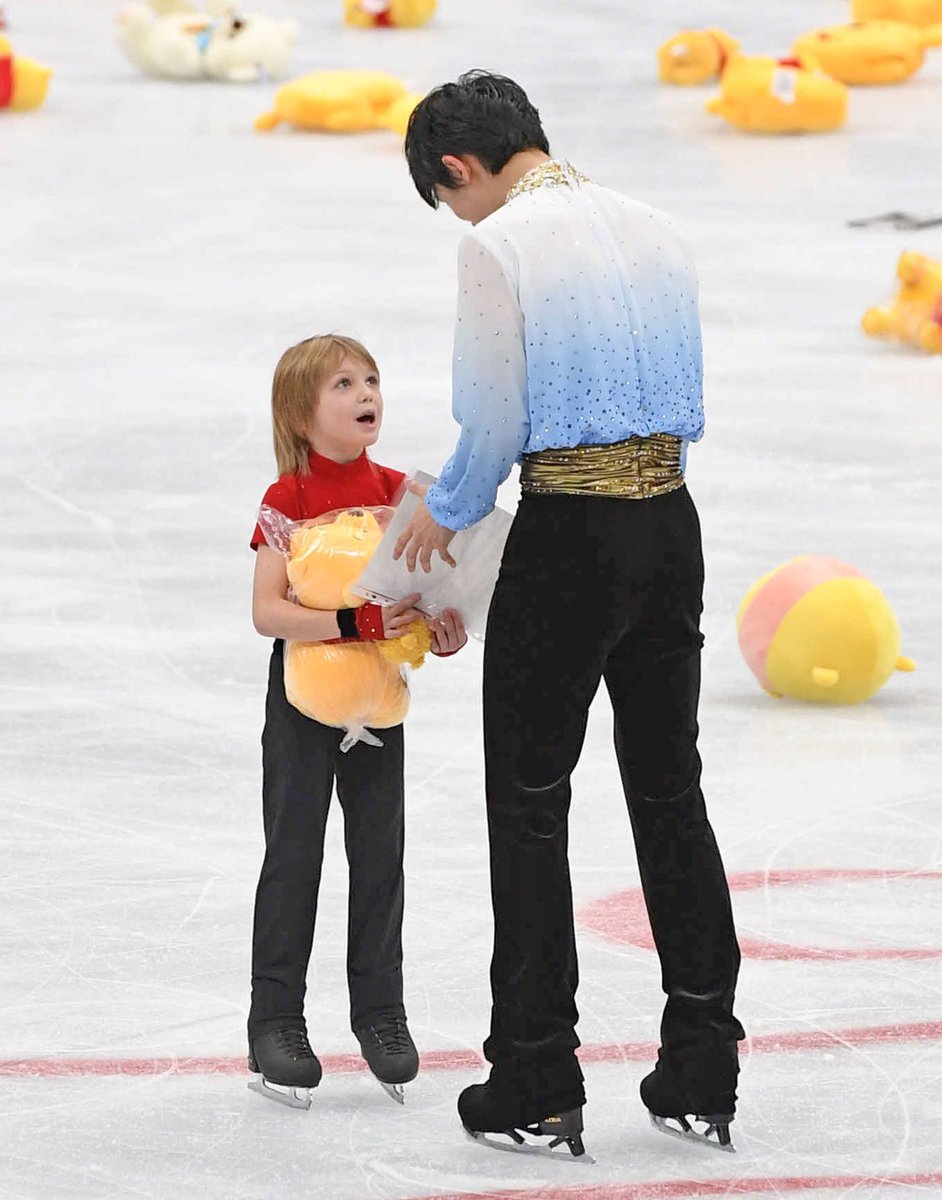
369, 619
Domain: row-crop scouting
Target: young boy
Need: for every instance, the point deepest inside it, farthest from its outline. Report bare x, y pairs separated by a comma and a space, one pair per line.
577, 352
327, 410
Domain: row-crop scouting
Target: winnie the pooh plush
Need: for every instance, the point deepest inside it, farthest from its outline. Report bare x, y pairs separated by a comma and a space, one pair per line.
695, 56
23, 82
388, 14
912, 12
349, 685
778, 95
342, 102
171, 40
914, 315
873, 52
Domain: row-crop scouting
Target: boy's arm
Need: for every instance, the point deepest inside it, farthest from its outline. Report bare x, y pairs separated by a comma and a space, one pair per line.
274, 615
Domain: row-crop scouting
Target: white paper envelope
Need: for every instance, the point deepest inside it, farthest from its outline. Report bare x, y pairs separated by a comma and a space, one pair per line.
466, 587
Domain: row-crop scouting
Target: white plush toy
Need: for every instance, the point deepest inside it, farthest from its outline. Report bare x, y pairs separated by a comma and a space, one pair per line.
172, 40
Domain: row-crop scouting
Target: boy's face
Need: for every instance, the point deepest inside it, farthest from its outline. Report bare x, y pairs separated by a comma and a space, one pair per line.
348, 412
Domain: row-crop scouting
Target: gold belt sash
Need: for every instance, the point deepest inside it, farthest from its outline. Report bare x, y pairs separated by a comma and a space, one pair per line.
636, 469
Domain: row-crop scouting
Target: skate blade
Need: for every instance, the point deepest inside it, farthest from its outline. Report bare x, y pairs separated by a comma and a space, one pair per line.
394, 1090
709, 1138
291, 1097
519, 1145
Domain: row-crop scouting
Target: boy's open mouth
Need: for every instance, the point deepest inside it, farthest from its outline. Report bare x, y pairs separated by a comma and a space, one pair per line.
367, 419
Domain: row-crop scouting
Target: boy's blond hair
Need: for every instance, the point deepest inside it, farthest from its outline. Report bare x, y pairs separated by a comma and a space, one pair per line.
299, 376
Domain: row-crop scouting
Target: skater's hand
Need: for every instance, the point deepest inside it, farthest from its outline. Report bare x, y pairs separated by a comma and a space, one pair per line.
399, 616
422, 537
448, 633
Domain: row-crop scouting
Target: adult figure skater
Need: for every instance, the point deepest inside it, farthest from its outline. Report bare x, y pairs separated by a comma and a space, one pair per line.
577, 353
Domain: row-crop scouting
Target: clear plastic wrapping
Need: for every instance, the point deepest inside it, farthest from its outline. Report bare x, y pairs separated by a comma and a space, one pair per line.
354, 686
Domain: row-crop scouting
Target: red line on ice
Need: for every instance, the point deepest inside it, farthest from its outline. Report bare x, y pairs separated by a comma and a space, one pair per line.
457, 1060
668, 1189
623, 917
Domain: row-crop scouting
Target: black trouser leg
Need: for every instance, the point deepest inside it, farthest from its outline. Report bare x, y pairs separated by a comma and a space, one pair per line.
542, 665
297, 780
653, 679
370, 790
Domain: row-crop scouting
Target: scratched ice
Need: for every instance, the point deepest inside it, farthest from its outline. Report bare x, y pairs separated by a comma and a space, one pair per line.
158, 255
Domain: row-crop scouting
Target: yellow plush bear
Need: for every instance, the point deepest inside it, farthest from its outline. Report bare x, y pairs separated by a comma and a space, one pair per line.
915, 313
342, 102
912, 12
23, 82
351, 685
695, 56
779, 95
369, 14
875, 52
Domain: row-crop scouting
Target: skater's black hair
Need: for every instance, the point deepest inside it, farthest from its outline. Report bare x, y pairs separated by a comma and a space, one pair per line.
482, 114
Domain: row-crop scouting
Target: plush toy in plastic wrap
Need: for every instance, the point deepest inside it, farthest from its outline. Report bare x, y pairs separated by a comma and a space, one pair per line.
172, 40
342, 102
914, 315
873, 52
912, 12
779, 95
695, 56
23, 82
816, 629
356, 686
388, 14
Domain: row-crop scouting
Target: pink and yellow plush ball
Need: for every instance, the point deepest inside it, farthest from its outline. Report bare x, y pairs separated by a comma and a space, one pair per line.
816, 629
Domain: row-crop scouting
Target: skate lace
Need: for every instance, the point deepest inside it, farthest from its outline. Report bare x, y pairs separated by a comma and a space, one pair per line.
392, 1035
295, 1043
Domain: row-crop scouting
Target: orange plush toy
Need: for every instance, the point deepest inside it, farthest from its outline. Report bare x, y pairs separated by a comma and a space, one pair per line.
349, 685
914, 315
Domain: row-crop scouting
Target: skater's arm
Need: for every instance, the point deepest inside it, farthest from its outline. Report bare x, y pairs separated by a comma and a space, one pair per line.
274, 615
489, 390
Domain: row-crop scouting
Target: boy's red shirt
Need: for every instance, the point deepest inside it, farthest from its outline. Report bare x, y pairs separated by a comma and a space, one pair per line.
331, 485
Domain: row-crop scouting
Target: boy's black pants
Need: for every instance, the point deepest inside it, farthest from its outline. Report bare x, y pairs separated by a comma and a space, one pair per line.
593, 588
301, 759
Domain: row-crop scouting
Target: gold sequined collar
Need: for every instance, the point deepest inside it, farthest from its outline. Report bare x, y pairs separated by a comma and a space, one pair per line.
548, 174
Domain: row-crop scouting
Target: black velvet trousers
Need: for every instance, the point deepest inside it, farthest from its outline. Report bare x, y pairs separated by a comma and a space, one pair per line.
301, 762
593, 588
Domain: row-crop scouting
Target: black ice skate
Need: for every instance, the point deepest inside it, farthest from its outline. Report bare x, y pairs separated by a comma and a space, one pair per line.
486, 1115
390, 1053
673, 1100
284, 1066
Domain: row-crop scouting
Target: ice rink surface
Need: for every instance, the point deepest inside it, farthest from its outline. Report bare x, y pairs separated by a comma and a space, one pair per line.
157, 257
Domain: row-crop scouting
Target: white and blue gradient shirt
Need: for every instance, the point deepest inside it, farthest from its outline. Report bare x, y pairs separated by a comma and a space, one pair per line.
577, 325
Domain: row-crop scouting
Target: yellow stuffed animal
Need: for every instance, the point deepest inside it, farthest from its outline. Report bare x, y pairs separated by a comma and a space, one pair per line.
816, 629
911, 12
341, 102
778, 95
369, 14
23, 82
349, 685
876, 52
695, 56
915, 313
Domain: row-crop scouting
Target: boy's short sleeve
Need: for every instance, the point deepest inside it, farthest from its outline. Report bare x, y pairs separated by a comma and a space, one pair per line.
283, 497
395, 484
